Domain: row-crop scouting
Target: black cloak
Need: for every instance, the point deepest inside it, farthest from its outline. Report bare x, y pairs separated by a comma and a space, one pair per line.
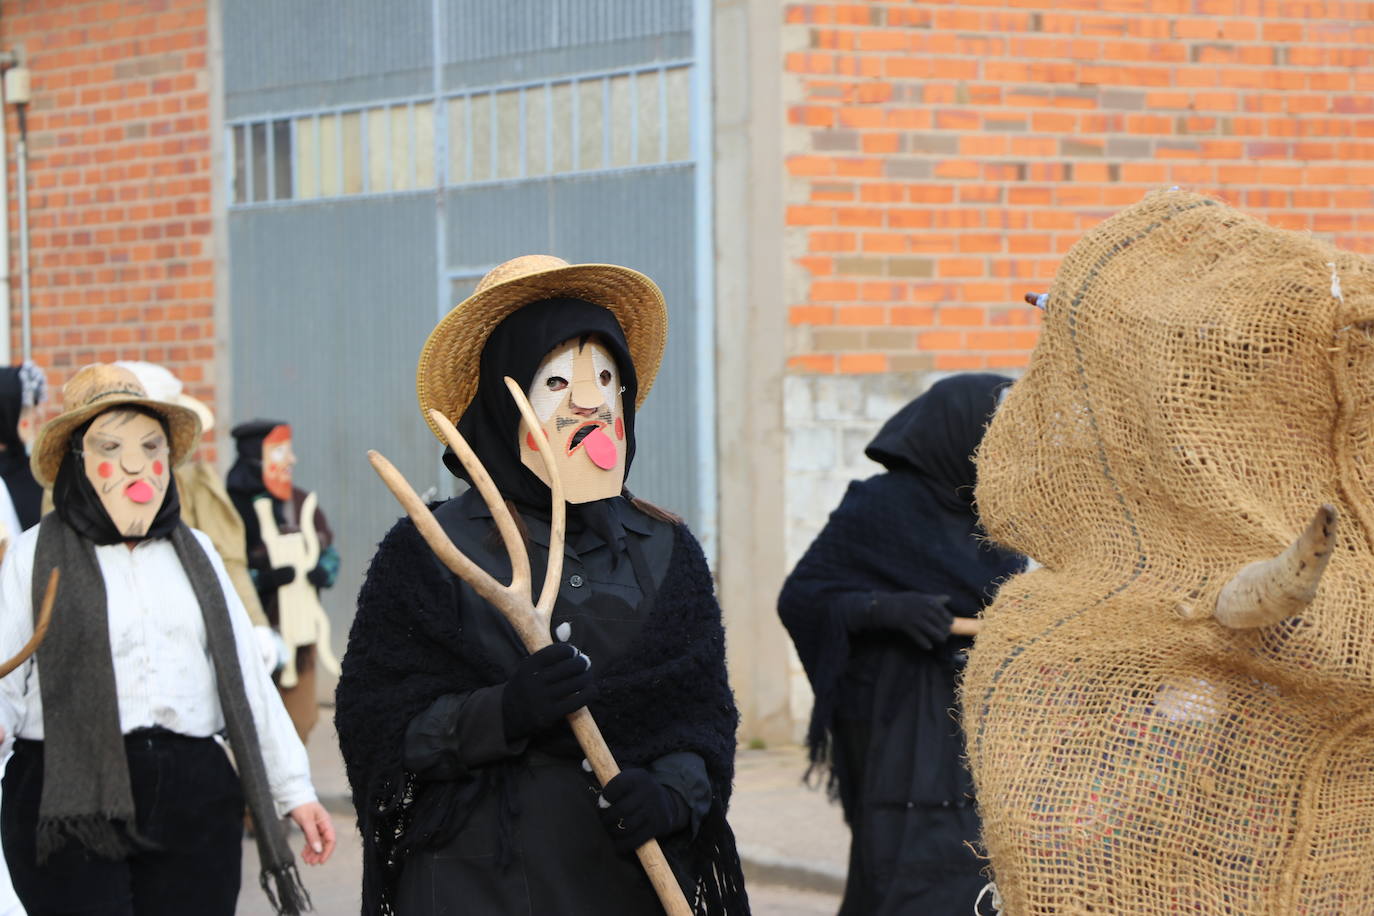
25, 492
883, 720
408, 647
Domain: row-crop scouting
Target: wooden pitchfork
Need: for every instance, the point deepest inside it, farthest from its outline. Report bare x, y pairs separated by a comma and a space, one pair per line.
515, 601
44, 618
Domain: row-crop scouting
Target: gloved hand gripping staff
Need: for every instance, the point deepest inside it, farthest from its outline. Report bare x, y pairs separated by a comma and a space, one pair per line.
516, 602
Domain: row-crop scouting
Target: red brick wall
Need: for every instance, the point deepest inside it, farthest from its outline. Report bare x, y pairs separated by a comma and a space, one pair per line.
943, 156
120, 184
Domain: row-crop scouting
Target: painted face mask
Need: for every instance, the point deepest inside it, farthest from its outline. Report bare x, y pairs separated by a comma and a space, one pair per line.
277, 461
124, 454
576, 395
28, 426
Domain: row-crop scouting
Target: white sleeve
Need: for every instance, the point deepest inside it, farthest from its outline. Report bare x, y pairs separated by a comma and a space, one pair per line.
16, 626
288, 766
9, 518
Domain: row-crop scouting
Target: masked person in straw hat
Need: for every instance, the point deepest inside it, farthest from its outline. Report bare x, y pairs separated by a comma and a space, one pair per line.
470, 790
119, 799
205, 504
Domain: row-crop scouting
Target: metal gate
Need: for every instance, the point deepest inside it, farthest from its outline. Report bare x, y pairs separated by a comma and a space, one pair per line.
383, 156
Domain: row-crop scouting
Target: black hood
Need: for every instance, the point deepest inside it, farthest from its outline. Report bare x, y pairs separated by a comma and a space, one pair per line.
936, 435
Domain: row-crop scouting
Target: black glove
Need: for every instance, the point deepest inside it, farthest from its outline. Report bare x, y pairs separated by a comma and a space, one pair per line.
545, 687
922, 618
318, 577
640, 808
281, 575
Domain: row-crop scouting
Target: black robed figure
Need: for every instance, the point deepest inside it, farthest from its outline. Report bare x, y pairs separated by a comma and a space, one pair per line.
468, 783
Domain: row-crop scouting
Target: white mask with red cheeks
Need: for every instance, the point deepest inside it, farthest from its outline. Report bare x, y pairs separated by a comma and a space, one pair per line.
577, 397
125, 456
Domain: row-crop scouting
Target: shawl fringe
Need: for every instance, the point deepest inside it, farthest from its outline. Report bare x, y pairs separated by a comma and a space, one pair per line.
290, 898
103, 835
720, 875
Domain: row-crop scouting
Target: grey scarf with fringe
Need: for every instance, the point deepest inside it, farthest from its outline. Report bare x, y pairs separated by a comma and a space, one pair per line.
86, 793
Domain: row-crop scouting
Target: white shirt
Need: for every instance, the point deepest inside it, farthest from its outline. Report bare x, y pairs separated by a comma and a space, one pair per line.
162, 667
9, 518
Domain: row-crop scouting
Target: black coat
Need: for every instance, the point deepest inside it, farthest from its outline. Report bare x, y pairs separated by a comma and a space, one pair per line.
884, 719
519, 833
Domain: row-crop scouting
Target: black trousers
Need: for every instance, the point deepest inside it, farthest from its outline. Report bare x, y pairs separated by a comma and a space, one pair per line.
187, 801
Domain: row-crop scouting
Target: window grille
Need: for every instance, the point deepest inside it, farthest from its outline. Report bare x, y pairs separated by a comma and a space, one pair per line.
593, 123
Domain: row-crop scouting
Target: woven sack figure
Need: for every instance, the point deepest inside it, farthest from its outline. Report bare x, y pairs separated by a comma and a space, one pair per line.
1176, 713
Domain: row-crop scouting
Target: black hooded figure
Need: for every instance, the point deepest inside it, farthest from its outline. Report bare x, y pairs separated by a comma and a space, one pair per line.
469, 786
20, 387
870, 617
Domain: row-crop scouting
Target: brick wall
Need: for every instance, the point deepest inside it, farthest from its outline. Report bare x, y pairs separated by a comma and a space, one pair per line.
120, 184
942, 157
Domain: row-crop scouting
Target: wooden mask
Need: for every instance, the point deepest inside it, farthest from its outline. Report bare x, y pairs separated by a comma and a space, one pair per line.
577, 396
277, 461
125, 456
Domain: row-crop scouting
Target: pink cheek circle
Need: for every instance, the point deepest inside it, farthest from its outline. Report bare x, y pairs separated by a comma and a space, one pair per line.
157, 468
105, 469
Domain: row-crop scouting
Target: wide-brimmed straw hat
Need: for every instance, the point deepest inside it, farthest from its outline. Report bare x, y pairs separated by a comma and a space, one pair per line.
446, 378
94, 390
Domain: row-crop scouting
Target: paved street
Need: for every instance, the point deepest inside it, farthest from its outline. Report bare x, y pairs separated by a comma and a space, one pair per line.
792, 841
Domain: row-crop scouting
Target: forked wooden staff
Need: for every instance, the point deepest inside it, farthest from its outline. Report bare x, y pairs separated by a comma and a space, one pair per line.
44, 618
515, 601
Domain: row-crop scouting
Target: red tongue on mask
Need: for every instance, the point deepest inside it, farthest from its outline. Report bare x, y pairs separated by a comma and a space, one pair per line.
139, 491
600, 449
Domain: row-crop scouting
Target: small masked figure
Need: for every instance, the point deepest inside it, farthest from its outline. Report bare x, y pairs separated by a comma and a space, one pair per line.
290, 555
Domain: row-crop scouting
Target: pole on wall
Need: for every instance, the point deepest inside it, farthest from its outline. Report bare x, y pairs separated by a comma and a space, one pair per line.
17, 92
8, 59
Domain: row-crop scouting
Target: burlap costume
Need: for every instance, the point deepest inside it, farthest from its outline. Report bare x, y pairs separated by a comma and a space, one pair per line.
1203, 383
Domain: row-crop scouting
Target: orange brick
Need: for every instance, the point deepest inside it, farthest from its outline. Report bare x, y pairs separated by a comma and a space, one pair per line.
863, 363
834, 291
883, 242
960, 267
909, 315
860, 315
953, 362
812, 362
810, 216
980, 243
1008, 360
810, 314
940, 340
961, 317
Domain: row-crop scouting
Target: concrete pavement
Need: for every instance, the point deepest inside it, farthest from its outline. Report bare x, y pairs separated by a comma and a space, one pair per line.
793, 842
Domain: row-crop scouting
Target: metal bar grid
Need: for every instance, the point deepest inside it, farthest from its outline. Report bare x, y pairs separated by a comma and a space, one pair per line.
443, 176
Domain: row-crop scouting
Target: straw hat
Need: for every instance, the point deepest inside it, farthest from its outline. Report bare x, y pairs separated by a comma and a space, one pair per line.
93, 390
162, 385
447, 375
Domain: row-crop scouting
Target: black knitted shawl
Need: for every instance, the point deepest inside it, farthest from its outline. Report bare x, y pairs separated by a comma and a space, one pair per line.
668, 692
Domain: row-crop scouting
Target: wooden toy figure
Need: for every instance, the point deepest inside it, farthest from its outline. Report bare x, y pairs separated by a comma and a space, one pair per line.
291, 556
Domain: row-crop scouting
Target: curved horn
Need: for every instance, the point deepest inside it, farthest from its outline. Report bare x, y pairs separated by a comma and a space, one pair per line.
1271, 590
